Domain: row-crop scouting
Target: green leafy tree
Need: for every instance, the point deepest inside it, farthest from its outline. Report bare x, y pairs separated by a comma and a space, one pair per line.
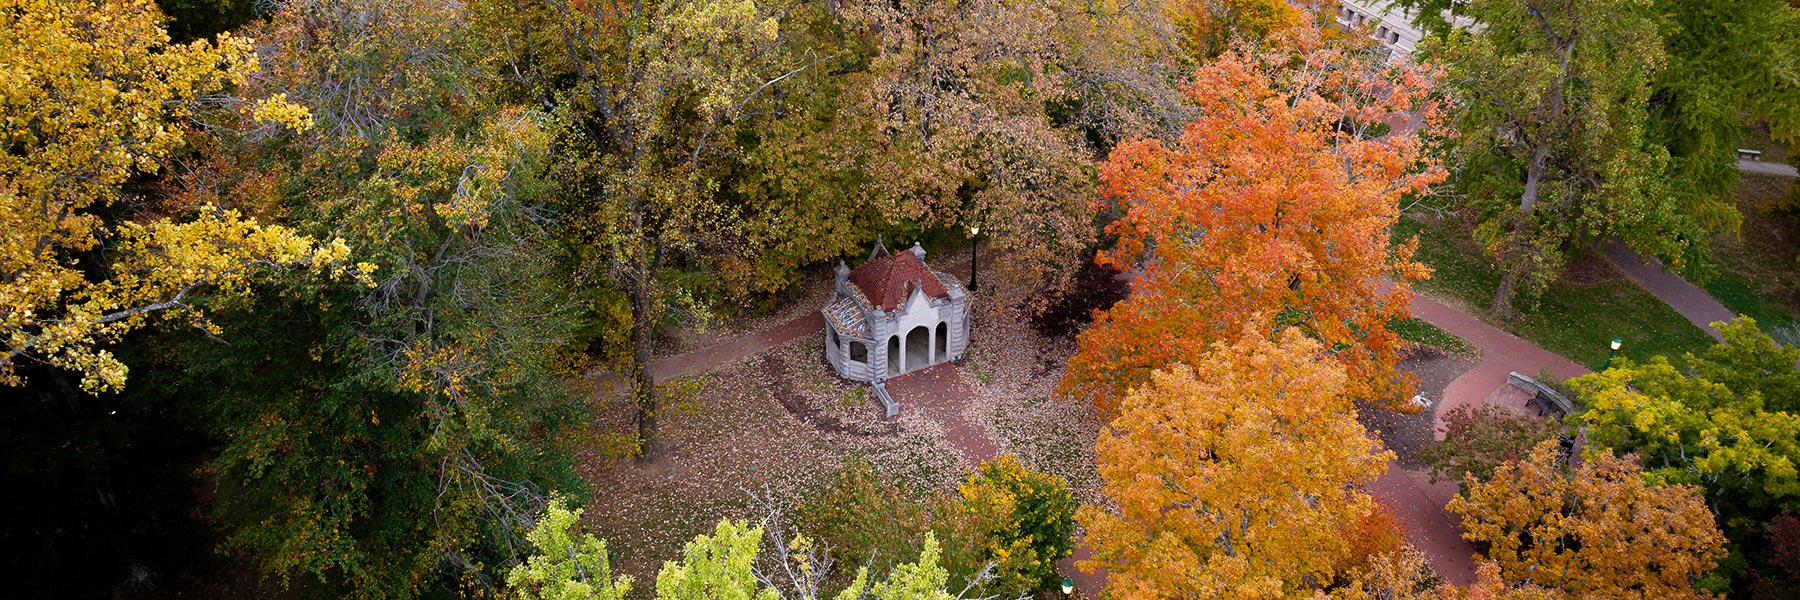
1029, 518
565, 564
736, 562
1586, 121
643, 93
1726, 61
1727, 420
1550, 107
390, 439
717, 566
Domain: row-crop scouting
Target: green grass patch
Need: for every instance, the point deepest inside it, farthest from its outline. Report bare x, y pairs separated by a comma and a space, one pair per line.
1580, 322
1458, 270
1420, 332
1577, 321
1757, 269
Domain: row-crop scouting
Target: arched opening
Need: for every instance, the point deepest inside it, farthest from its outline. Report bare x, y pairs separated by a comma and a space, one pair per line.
918, 348
859, 352
943, 341
893, 355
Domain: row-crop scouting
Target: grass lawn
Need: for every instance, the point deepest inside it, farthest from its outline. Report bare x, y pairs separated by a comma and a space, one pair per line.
1757, 270
1420, 332
1576, 317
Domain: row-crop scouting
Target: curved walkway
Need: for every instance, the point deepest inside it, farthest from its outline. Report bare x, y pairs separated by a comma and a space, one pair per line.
940, 394
1410, 494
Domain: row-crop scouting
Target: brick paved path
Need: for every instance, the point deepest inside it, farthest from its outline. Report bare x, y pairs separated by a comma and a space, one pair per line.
939, 393
1410, 494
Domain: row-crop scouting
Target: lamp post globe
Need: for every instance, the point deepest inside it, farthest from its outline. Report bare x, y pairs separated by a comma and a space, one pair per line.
974, 245
1614, 351
1068, 587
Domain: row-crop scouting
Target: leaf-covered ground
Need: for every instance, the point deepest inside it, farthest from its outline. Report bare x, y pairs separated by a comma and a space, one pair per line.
779, 423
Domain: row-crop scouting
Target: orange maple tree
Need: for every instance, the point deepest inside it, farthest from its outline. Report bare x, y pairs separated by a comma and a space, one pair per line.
1595, 530
1234, 478
1277, 201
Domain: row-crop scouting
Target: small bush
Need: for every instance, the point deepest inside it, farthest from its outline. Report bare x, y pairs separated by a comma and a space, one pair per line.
1017, 520
1094, 288
1020, 521
1478, 440
863, 516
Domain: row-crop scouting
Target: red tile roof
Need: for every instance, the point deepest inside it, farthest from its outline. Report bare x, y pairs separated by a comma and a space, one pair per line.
889, 279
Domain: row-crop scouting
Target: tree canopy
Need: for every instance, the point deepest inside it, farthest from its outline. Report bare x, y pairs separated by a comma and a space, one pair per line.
1235, 478
1277, 201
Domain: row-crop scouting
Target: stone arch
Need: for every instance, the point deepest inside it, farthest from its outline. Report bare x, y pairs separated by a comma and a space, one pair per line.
893, 355
918, 348
941, 345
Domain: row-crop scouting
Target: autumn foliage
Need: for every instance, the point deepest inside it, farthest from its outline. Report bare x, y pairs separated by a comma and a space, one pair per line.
1234, 478
1277, 201
1208, 26
1595, 530
94, 95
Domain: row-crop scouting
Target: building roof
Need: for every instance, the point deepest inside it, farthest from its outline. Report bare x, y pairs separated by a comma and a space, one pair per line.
847, 318
889, 278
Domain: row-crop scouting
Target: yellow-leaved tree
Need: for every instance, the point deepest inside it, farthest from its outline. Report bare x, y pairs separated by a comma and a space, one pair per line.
1235, 478
1595, 530
92, 95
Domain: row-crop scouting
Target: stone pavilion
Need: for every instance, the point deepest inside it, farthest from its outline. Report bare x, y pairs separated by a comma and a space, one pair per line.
893, 315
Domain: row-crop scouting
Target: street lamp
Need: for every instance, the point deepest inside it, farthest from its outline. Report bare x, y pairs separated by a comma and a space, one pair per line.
1068, 586
1609, 354
975, 243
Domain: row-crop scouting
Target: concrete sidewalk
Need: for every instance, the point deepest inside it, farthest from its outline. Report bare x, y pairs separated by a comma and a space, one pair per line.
1692, 302
1763, 168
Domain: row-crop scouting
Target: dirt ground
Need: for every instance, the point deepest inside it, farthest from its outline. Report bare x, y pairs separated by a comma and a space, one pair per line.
1407, 434
1014, 372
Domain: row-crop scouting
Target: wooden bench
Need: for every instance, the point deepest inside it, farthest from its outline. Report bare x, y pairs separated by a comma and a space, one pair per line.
1745, 153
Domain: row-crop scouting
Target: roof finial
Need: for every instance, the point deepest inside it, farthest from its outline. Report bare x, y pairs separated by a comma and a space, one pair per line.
918, 251
879, 250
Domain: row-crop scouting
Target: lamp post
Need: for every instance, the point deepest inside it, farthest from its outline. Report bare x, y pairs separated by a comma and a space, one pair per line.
1610, 353
974, 244
1068, 586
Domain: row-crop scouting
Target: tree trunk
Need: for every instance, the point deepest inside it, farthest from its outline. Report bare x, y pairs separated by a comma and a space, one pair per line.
1521, 234
1502, 307
643, 381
